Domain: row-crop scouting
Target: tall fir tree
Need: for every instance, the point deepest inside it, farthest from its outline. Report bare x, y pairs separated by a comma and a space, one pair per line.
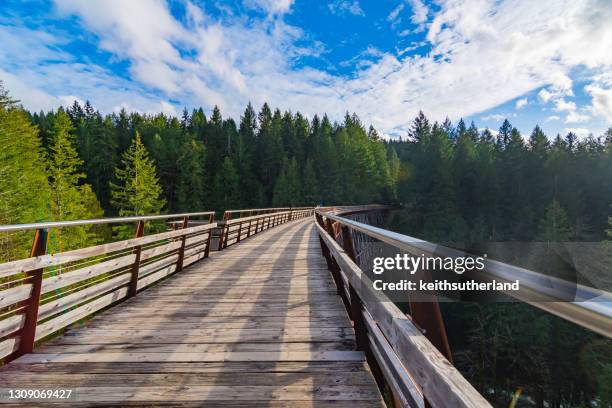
554, 227
191, 194
24, 190
137, 191
71, 199
227, 186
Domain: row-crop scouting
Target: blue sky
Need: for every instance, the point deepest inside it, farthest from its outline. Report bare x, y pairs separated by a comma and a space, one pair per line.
547, 62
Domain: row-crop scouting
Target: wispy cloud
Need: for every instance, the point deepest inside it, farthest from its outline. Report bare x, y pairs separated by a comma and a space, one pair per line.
521, 103
343, 7
479, 56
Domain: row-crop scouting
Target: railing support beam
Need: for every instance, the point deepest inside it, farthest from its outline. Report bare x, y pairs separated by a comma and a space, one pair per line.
181, 254
136, 267
28, 332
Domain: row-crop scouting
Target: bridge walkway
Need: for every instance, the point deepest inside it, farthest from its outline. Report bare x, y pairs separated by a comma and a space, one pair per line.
257, 324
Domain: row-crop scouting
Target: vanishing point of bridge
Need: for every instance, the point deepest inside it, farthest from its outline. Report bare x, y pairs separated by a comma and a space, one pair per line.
264, 308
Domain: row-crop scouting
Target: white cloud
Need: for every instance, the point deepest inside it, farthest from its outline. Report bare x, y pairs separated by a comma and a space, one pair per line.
483, 53
342, 7
552, 117
602, 101
28, 94
419, 16
495, 116
544, 95
68, 100
419, 11
575, 117
393, 16
580, 132
271, 7
521, 103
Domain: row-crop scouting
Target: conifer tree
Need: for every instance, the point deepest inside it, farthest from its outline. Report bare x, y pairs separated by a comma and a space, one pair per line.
190, 190
137, 191
281, 190
251, 191
227, 185
555, 225
24, 190
310, 185
70, 199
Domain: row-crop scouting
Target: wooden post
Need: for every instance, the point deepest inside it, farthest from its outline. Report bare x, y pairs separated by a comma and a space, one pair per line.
428, 317
239, 232
135, 268
222, 235
249, 229
28, 331
326, 255
208, 240
347, 243
225, 235
181, 255
361, 333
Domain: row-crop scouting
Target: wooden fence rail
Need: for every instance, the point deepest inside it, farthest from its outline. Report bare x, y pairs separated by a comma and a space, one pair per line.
47, 292
235, 230
401, 357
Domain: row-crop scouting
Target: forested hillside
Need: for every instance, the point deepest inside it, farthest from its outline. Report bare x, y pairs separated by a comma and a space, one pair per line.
456, 183
465, 185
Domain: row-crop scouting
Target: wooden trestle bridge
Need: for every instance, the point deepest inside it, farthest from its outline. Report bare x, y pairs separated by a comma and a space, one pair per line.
264, 308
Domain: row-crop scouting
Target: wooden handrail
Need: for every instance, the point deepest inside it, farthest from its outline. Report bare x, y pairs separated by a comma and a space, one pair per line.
235, 230
591, 308
234, 214
406, 360
98, 221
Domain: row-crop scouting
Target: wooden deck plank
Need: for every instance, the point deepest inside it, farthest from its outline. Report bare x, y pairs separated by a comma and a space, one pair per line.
257, 324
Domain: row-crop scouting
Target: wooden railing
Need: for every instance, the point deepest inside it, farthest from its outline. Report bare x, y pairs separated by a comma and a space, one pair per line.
45, 293
233, 214
401, 357
235, 230
410, 354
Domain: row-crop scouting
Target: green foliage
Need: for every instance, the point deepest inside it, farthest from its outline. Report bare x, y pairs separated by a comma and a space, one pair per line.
227, 184
138, 191
191, 194
70, 199
555, 225
287, 190
334, 163
24, 191
466, 187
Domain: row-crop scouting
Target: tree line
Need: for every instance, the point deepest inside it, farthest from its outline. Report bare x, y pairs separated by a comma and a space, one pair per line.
457, 183
75, 163
462, 185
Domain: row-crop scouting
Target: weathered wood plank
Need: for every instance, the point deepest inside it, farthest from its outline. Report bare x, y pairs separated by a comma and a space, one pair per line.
14, 295
69, 278
231, 393
8, 346
80, 312
133, 357
62, 303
